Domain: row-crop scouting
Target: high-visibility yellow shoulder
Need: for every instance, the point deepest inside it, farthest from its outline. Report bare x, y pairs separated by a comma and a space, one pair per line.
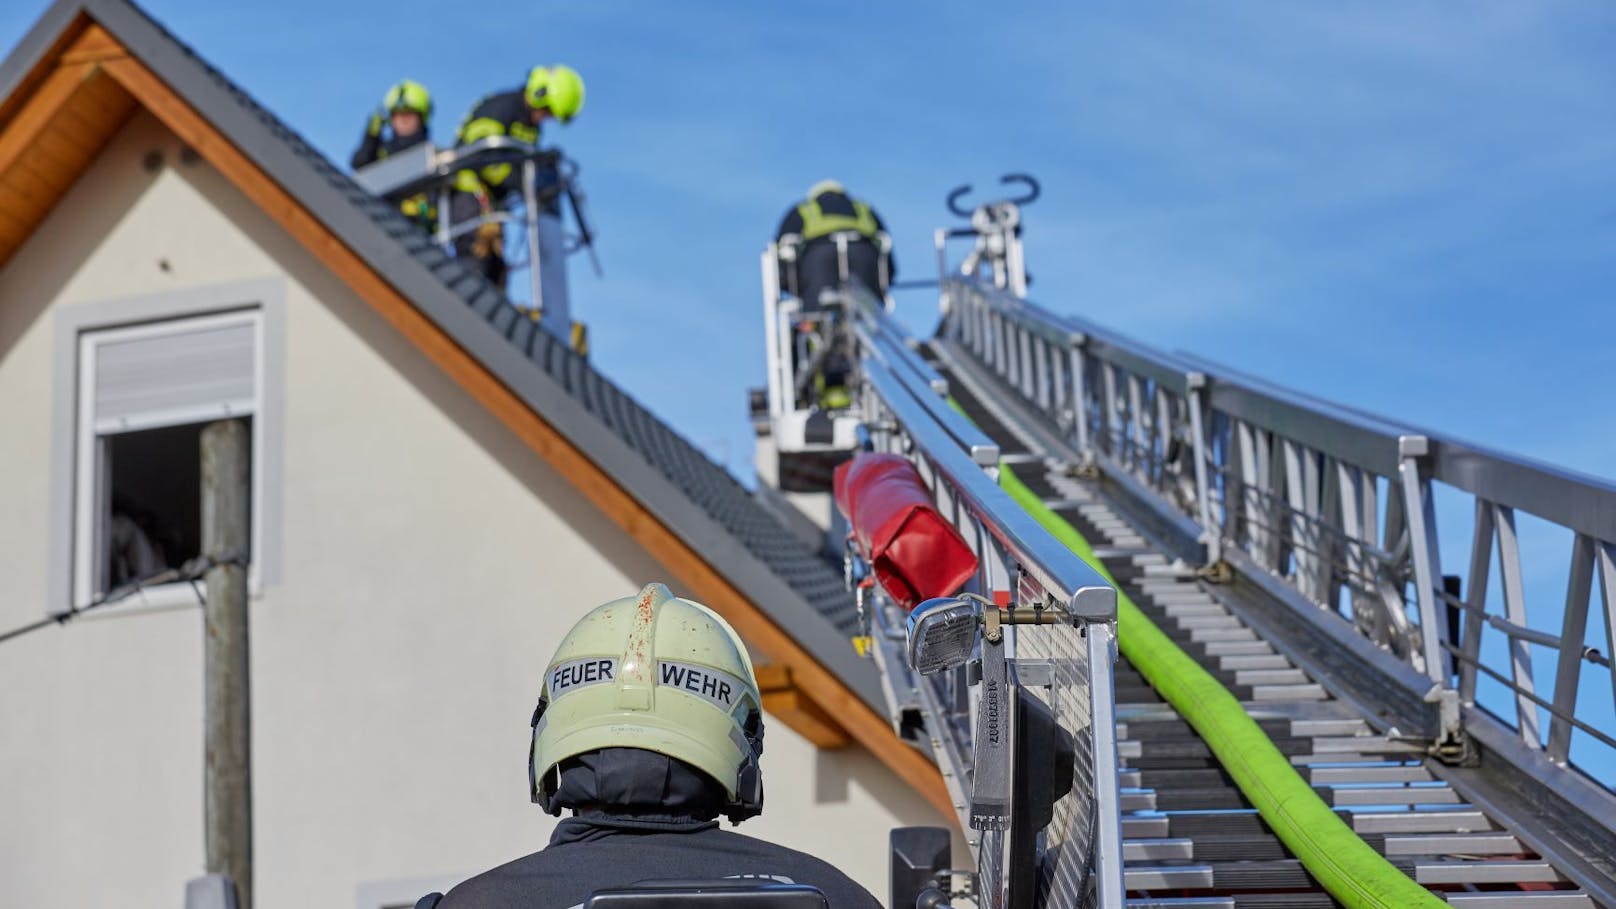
480, 128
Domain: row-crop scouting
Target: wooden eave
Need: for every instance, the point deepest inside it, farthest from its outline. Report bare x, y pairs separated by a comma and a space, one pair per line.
67, 112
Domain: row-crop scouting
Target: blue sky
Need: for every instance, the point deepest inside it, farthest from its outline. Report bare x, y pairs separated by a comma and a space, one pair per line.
1405, 206
1391, 204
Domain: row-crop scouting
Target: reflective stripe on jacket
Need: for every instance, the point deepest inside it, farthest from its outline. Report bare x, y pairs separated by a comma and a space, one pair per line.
817, 222
502, 114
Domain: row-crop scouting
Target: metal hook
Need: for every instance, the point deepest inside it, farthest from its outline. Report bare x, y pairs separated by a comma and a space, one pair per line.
1027, 180
953, 200
1034, 190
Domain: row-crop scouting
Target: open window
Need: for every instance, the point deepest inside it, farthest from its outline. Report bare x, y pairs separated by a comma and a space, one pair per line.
144, 393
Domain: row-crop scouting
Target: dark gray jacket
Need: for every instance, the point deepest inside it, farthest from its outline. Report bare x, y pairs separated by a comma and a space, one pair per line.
599, 850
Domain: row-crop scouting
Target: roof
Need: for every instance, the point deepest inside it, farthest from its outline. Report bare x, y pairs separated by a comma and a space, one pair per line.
695, 498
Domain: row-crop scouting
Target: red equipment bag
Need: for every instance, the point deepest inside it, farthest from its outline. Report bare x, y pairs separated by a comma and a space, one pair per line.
916, 555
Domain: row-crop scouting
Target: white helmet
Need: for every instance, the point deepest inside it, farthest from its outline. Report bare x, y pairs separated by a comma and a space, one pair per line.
659, 673
825, 186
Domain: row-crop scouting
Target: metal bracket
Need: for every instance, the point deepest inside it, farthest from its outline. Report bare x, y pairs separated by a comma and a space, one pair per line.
1031, 673
1453, 746
991, 618
1088, 470
991, 758
1219, 572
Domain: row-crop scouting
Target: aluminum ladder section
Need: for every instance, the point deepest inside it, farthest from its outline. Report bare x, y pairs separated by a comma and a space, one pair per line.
1242, 519
1067, 665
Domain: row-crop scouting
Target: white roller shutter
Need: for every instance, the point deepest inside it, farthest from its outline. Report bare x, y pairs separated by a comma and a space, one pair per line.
168, 374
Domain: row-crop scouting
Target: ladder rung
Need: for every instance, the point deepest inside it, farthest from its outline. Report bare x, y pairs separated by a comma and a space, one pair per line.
1343, 726
1164, 592
1144, 828
1392, 795
1165, 849
1453, 844
1222, 635
1529, 899
1288, 693
1168, 877
1237, 648
1394, 822
1394, 774
1134, 556
1184, 598
1258, 661
1536, 871
1141, 800
1167, 571
1265, 677
1362, 744
1206, 622
1336, 757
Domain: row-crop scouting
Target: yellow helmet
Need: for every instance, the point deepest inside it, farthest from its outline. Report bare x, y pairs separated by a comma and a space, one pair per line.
558, 89
410, 96
658, 673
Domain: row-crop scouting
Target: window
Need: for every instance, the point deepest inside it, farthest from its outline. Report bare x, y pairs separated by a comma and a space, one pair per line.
144, 394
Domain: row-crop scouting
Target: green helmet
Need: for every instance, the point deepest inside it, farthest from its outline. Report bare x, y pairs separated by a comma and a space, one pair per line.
558, 89
410, 96
659, 673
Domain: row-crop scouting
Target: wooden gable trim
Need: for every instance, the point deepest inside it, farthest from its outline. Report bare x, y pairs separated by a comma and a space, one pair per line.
93, 44
47, 62
94, 54
65, 113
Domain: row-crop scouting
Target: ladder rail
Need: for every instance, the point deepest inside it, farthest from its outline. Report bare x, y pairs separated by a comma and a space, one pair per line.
1285, 682
1333, 508
907, 425
1021, 566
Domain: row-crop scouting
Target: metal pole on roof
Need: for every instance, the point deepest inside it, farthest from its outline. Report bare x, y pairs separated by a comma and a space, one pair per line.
227, 765
530, 211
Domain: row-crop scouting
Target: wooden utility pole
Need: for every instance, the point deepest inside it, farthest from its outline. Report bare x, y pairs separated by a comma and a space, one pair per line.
227, 773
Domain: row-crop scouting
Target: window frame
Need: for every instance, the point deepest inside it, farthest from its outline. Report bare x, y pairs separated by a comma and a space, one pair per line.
93, 475
80, 476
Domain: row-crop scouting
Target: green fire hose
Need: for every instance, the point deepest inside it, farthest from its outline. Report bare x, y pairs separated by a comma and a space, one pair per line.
1337, 858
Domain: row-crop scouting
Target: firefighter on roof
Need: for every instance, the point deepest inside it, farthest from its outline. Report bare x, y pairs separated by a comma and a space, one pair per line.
551, 91
400, 122
649, 728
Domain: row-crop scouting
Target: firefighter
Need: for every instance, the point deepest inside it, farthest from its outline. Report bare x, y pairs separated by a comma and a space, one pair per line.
400, 122
649, 728
812, 224
551, 91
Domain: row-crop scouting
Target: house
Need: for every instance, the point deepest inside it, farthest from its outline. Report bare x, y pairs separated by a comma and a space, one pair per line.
439, 491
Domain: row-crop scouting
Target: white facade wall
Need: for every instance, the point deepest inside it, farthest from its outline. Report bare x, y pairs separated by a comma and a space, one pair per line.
430, 563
